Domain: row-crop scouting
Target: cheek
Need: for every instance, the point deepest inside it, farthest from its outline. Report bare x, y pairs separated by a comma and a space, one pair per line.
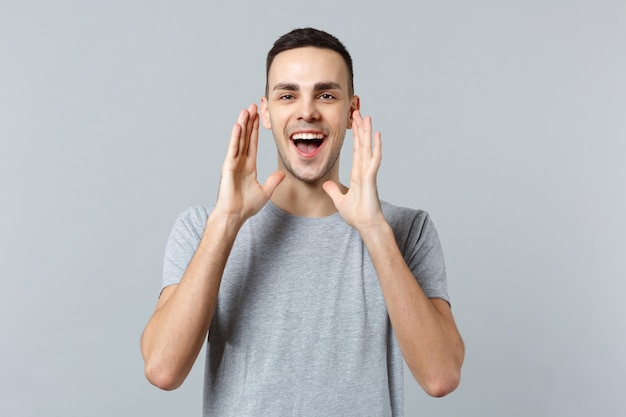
277, 119
345, 122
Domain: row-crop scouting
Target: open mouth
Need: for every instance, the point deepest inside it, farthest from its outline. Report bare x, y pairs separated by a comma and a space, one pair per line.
308, 143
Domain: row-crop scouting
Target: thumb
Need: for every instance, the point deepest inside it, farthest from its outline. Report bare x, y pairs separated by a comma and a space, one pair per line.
333, 191
272, 182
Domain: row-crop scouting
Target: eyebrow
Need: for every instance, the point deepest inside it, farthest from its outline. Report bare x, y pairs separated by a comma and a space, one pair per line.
317, 87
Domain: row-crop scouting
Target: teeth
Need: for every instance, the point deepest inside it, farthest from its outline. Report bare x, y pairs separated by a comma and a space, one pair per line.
307, 136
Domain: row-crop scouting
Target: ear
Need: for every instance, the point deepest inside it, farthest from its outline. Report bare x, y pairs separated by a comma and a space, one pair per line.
355, 104
265, 113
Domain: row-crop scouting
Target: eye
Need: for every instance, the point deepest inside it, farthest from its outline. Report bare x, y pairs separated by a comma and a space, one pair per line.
286, 97
326, 96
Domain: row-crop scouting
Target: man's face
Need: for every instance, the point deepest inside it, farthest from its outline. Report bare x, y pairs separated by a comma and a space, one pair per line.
308, 107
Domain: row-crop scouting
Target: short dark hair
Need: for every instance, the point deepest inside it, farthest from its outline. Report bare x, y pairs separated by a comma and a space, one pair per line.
300, 38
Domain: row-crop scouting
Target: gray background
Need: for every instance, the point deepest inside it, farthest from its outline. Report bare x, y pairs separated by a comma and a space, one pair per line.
506, 120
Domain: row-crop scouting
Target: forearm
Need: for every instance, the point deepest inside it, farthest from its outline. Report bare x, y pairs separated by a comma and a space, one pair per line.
174, 335
424, 328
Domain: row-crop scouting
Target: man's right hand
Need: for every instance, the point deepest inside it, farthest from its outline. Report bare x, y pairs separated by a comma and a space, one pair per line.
241, 195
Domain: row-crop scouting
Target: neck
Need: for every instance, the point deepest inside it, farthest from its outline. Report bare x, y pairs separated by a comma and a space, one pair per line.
304, 199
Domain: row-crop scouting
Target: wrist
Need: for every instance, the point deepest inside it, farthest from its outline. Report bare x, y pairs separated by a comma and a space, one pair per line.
224, 225
376, 234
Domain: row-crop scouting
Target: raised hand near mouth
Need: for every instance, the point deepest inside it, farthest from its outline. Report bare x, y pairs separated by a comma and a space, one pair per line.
240, 193
360, 206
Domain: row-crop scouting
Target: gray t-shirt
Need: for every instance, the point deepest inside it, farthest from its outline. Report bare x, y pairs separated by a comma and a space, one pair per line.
301, 327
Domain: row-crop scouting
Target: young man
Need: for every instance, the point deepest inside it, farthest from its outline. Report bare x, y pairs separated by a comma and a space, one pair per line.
311, 292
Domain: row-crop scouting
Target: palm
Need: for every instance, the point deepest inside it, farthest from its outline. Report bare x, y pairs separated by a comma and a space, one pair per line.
240, 192
360, 206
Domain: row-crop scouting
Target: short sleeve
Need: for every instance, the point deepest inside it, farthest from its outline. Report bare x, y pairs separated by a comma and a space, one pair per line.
182, 244
425, 258
419, 242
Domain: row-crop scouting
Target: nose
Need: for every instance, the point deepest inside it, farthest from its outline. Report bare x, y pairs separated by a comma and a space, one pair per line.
308, 110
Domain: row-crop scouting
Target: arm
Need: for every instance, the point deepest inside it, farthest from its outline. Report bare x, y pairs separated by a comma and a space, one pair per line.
176, 331
425, 328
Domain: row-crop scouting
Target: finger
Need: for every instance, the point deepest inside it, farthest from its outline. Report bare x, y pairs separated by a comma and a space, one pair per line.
333, 191
233, 144
378, 147
242, 120
251, 116
254, 138
357, 118
252, 127
357, 123
363, 137
366, 139
253, 109
272, 182
377, 153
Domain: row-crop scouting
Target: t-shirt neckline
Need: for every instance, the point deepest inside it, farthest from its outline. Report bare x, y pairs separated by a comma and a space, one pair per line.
274, 209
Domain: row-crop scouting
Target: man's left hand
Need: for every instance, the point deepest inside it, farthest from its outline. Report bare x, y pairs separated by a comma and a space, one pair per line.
360, 206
